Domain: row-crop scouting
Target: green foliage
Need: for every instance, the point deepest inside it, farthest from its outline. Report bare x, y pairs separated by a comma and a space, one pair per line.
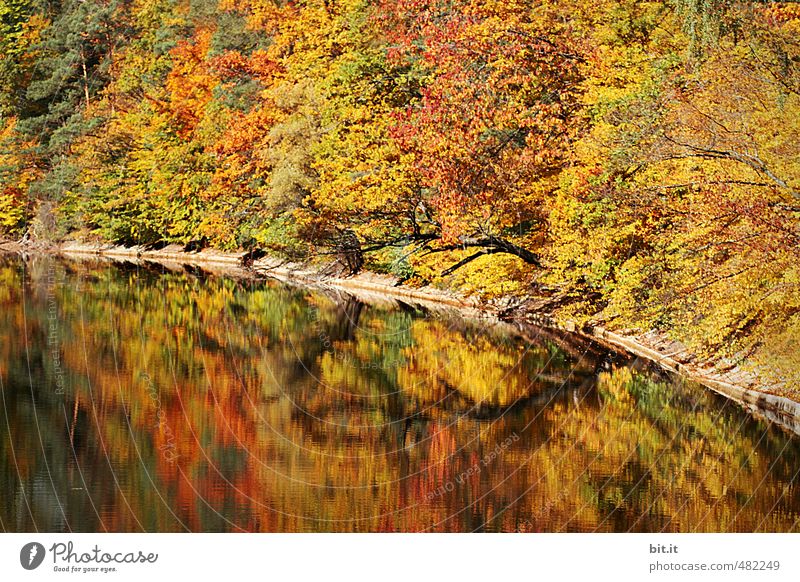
15, 40
73, 65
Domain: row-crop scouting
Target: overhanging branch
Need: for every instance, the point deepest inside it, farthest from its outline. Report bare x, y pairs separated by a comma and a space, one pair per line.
488, 245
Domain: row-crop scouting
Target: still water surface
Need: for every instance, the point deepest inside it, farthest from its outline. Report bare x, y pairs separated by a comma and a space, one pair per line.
135, 398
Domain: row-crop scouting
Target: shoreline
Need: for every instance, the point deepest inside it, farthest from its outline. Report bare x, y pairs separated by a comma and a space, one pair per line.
744, 388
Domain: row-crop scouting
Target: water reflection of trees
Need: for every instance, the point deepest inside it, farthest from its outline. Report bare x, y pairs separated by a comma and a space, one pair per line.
291, 410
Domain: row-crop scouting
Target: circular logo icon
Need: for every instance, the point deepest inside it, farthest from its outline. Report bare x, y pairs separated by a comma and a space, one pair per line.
31, 555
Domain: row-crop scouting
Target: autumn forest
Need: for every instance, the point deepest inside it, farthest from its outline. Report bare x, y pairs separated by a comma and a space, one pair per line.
632, 162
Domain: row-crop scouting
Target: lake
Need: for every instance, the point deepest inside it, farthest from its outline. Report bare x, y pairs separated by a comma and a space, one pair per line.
141, 398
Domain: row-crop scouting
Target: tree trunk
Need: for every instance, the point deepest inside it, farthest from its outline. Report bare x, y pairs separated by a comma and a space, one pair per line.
349, 253
85, 81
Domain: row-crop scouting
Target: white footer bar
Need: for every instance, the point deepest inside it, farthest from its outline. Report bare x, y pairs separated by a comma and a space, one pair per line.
401, 557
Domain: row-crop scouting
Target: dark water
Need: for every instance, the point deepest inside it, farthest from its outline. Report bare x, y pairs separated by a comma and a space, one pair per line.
134, 399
